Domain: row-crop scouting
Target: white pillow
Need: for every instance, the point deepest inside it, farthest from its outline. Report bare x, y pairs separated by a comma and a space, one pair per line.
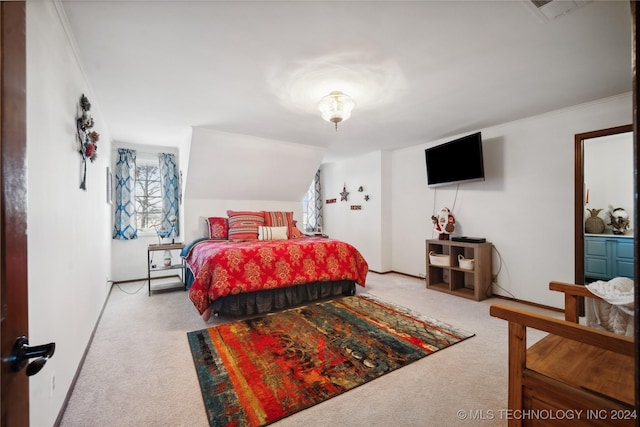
272, 233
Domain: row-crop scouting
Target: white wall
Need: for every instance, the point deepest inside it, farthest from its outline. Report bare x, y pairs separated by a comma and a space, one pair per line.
367, 229
525, 206
68, 228
228, 166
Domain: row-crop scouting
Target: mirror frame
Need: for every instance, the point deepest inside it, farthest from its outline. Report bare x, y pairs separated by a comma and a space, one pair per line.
579, 193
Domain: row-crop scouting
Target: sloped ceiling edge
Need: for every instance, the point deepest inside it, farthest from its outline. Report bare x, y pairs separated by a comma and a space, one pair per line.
241, 167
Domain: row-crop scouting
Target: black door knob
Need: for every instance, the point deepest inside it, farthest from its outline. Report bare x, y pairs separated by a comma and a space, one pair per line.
22, 352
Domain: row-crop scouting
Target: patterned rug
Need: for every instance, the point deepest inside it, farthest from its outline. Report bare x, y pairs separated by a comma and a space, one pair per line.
257, 371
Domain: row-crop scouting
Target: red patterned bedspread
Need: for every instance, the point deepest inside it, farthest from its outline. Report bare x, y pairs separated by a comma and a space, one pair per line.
222, 268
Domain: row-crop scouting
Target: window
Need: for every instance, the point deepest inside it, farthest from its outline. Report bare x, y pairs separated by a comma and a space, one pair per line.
148, 195
312, 207
308, 208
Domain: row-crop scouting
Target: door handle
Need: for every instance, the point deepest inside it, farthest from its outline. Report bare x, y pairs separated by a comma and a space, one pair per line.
22, 352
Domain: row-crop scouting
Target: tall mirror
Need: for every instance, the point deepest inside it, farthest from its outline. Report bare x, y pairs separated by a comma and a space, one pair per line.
604, 195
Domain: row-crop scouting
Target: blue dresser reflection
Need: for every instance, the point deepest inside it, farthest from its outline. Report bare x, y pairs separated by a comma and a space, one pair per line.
607, 256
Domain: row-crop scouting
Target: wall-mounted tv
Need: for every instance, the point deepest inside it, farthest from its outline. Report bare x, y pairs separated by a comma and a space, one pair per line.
455, 161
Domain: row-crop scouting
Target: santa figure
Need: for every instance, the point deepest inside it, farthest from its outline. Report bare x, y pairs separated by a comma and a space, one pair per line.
444, 223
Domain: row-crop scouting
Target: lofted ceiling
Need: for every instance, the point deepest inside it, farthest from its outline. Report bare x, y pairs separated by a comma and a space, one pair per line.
418, 70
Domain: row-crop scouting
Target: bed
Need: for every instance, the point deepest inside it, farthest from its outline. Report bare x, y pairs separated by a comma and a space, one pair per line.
251, 276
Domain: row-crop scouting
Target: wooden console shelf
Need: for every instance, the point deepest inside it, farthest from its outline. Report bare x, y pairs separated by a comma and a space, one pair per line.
473, 284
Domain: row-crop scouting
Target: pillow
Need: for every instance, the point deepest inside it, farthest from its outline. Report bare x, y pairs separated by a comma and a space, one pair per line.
218, 228
272, 233
243, 225
294, 233
279, 219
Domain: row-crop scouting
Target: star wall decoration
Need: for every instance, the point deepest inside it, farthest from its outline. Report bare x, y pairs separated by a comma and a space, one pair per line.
345, 194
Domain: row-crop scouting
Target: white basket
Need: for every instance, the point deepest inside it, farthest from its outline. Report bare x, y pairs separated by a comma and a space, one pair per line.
465, 263
439, 259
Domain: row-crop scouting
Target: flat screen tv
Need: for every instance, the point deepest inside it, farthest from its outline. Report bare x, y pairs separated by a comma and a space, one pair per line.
455, 161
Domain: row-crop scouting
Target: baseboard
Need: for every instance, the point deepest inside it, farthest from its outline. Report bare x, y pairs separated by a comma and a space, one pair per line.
532, 304
144, 279
396, 272
65, 403
120, 282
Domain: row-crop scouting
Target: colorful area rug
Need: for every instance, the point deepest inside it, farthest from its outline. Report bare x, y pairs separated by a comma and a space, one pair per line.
257, 371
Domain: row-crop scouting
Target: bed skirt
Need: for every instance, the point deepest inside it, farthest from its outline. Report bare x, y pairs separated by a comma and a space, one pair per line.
278, 299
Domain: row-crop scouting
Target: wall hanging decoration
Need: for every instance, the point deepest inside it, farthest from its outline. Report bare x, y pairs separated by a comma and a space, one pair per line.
87, 138
356, 207
366, 197
329, 201
345, 194
361, 189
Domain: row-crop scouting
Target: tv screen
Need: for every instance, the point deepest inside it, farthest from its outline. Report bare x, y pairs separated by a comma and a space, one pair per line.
455, 161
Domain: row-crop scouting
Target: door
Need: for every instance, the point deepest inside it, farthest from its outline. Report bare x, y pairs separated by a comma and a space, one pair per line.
14, 391
583, 142
635, 21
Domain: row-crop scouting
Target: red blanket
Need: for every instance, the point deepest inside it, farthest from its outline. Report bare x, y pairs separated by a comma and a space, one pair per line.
221, 267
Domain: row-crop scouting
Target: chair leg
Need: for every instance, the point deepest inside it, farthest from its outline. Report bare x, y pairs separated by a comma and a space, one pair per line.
517, 363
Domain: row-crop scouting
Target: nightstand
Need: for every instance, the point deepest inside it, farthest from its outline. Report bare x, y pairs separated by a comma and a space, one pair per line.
317, 235
163, 265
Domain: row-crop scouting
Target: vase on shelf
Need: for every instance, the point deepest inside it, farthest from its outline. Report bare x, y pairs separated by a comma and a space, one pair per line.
162, 234
594, 224
167, 259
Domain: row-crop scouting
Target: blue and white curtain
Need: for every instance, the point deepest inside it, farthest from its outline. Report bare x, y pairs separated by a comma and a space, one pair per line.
317, 200
170, 182
312, 206
124, 227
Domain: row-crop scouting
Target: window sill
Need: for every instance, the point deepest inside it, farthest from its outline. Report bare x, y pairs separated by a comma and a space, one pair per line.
147, 234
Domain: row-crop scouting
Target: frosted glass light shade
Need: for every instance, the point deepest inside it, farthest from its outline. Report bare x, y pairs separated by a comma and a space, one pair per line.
336, 107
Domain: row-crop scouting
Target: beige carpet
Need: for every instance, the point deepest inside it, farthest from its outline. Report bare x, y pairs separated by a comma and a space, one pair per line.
139, 370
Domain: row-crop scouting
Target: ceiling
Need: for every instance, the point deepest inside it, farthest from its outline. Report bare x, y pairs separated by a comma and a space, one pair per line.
419, 71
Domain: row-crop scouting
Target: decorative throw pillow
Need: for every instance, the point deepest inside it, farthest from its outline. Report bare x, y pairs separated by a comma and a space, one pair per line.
279, 219
272, 233
243, 225
294, 233
218, 228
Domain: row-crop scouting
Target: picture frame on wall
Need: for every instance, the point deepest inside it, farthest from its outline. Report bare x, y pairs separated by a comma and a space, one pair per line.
109, 189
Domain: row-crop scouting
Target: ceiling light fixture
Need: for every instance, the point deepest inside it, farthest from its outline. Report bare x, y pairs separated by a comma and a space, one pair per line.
336, 107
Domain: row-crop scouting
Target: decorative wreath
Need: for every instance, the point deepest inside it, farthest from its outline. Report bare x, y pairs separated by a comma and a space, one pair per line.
88, 138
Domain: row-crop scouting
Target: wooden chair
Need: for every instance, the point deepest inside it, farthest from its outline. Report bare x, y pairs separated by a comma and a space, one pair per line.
576, 375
